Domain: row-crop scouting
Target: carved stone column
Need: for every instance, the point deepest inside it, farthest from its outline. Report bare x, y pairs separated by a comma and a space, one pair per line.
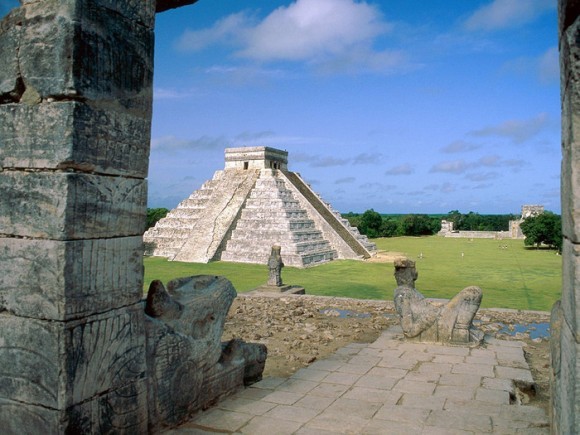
565, 325
75, 115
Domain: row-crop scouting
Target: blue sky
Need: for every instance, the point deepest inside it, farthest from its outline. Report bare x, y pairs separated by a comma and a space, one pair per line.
403, 106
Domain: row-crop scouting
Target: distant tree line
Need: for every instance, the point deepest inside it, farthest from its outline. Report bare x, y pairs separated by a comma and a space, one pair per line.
373, 224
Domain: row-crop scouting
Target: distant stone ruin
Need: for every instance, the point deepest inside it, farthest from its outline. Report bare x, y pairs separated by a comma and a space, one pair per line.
423, 320
249, 206
514, 231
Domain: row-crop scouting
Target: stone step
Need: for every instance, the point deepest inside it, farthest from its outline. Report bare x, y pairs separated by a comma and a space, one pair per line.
177, 223
273, 204
290, 259
298, 214
276, 234
271, 224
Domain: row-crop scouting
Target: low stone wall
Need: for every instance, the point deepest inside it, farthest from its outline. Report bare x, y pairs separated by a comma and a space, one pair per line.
477, 234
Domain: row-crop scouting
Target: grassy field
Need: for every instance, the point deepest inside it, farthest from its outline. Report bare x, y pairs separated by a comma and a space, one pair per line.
511, 277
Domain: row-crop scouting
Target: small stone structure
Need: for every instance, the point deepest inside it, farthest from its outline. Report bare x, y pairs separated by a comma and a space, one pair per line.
275, 284
423, 320
189, 368
514, 231
275, 266
250, 205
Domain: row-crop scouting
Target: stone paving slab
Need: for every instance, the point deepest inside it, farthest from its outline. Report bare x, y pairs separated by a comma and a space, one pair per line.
389, 386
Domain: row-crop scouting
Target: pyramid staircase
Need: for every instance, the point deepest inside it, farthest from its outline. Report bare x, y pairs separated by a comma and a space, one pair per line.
195, 230
273, 216
332, 221
249, 206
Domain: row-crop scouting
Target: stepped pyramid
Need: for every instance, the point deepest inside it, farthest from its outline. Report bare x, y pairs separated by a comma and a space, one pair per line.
250, 205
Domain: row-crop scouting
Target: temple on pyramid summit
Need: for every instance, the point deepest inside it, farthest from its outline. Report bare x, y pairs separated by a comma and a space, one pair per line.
255, 202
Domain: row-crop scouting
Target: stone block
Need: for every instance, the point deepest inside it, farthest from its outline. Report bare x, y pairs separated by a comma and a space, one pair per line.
74, 135
59, 364
68, 206
568, 10
565, 385
18, 418
10, 33
570, 285
141, 11
123, 410
88, 49
570, 79
120, 411
64, 280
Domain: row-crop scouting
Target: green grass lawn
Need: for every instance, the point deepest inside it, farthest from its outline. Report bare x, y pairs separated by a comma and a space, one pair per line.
515, 277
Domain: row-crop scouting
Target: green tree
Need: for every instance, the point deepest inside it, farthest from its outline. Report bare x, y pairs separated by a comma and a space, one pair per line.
370, 223
389, 228
546, 228
154, 214
418, 225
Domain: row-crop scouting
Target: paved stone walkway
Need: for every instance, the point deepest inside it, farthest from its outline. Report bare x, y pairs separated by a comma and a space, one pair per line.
387, 387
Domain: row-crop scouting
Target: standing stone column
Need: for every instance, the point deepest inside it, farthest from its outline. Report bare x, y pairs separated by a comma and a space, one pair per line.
565, 324
75, 114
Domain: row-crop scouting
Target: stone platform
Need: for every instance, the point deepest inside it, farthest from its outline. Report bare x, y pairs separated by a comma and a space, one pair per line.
388, 387
282, 290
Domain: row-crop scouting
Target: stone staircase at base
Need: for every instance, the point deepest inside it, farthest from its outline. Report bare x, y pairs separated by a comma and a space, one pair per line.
356, 243
196, 229
273, 216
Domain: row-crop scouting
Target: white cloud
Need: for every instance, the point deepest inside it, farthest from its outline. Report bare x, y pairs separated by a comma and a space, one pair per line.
518, 131
460, 146
368, 159
453, 167
307, 29
549, 66
502, 14
172, 143
328, 161
172, 94
545, 67
404, 169
330, 35
227, 30
248, 136
345, 180
482, 176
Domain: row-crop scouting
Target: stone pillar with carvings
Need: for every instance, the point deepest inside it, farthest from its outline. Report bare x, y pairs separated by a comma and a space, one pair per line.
565, 323
75, 114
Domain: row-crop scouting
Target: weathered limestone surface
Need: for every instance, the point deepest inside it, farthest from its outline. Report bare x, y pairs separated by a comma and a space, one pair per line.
565, 325
60, 364
424, 321
65, 135
71, 205
206, 240
64, 280
75, 109
273, 216
187, 363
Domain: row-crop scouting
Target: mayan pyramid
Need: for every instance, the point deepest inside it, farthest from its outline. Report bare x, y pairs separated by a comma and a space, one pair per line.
249, 206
